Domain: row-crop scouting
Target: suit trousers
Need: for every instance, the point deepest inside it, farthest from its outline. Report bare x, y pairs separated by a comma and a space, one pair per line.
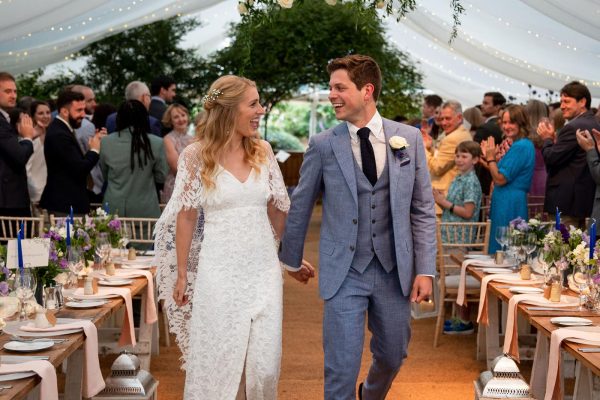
377, 294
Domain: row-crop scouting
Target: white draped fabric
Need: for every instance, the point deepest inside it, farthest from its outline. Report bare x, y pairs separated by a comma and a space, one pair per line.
502, 46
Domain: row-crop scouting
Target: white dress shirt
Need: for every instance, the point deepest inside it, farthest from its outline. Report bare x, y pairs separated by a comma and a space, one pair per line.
377, 139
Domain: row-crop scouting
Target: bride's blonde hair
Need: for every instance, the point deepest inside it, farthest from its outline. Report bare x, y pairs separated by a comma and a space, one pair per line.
217, 124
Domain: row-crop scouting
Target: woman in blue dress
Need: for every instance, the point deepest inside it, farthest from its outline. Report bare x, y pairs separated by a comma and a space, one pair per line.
512, 173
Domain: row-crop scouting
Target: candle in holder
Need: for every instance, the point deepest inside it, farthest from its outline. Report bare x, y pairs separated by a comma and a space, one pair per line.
71, 216
20, 236
592, 238
106, 209
557, 223
68, 239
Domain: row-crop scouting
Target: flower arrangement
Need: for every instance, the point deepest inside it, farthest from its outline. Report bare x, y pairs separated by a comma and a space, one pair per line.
534, 225
101, 221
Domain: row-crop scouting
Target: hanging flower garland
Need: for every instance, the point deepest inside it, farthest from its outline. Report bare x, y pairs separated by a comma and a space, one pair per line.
258, 10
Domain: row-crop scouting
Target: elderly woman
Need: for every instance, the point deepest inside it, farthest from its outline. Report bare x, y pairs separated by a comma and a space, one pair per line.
512, 174
177, 118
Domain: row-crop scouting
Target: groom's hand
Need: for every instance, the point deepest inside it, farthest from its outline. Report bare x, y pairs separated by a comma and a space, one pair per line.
305, 272
422, 288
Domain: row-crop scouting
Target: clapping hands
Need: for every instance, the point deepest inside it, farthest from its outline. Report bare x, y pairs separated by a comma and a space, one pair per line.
585, 139
305, 272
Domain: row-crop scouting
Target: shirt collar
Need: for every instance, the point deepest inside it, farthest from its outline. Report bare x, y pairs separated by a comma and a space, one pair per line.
66, 123
463, 176
159, 99
6, 116
375, 125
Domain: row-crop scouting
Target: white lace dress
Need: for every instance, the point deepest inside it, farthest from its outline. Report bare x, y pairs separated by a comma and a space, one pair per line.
232, 326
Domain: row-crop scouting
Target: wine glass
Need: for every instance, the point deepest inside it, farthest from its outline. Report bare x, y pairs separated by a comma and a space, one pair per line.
529, 245
24, 286
103, 247
75, 261
581, 278
125, 236
502, 236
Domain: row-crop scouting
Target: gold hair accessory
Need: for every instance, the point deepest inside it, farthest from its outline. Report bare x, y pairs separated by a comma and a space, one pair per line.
213, 95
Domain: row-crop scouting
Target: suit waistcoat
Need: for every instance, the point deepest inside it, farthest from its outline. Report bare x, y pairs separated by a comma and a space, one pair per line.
375, 231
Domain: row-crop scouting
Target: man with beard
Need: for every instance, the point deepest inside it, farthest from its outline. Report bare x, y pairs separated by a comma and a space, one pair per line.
68, 167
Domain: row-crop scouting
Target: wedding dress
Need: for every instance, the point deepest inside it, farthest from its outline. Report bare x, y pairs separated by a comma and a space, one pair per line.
232, 326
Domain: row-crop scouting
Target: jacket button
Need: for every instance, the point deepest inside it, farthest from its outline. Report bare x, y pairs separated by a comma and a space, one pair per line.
351, 248
373, 193
374, 235
373, 206
372, 221
355, 221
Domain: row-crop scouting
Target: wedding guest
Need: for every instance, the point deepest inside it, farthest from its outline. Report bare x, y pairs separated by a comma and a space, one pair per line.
537, 112
37, 171
569, 186
591, 146
512, 174
475, 119
101, 113
177, 119
132, 160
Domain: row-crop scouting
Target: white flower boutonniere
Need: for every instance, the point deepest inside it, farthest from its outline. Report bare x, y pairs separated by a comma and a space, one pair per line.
398, 144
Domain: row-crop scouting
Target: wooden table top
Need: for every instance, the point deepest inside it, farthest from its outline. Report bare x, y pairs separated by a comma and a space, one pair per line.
60, 351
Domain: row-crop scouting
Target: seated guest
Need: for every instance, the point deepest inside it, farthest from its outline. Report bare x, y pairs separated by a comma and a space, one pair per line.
68, 167
132, 160
177, 119
512, 174
37, 172
569, 186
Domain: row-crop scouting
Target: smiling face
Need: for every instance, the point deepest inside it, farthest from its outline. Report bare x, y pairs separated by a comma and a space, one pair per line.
180, 120
42, 116
450, 119
249, 113
571, 107
8, 94
509, 128
169, 93
465, 161
350, 103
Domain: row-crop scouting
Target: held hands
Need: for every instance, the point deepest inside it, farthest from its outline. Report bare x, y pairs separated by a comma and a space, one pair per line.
179, 295
422, 289
305, 272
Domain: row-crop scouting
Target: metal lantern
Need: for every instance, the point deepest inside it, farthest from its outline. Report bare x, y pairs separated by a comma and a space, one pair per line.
504, 381
127, 379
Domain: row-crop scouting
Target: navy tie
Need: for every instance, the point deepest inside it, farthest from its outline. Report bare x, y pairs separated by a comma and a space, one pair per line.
367, 155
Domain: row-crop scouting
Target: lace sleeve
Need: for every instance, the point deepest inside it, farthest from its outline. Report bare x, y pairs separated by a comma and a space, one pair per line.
187, 194
278, 194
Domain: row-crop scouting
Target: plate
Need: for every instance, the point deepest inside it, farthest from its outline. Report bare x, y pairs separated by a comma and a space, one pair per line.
28, 347
478, 256
525, 289
136, 266
495, 270
13, 328
86, 303
571, 321
16, 375
115, 282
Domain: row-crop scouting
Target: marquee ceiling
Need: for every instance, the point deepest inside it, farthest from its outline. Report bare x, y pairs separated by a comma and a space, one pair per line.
504, 46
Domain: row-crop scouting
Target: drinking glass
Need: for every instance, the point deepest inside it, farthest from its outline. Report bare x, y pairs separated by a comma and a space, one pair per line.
103, 247
502, 236
75, 262
125, 236
529, 245
581, 277
24, 286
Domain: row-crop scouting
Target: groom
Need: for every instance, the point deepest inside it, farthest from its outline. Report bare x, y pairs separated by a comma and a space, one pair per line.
377, 246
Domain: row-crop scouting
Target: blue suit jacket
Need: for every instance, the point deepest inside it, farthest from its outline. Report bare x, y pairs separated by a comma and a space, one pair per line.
328, 167
155, 125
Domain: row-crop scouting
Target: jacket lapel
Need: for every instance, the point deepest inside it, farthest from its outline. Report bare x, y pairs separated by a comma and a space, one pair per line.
340, 143
394, 169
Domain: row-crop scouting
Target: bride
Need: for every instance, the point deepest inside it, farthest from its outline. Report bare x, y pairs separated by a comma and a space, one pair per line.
216, 250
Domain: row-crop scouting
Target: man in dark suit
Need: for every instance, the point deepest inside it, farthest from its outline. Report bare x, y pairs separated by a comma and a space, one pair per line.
68, 167
139, 91
163, 90
14, 154
569, 185
492, 104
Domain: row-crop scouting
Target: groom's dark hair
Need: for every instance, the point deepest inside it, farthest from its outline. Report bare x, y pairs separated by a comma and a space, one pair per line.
361, 70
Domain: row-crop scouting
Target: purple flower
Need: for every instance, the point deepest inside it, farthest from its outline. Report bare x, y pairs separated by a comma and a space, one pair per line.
596, 279
565, 233
53, 256
115, 225
3, 288
585, 238
63, 264
515, 222
86, 247
82, 234
523, 226
5, 271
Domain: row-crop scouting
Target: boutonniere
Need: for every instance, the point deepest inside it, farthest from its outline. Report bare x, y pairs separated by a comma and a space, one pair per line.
398, 144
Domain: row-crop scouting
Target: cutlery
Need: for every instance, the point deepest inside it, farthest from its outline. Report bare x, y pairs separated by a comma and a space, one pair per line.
561, 309
589, 349
21, 359
25, 340
5, 387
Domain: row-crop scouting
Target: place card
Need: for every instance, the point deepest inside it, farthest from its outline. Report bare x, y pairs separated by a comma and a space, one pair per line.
35, 253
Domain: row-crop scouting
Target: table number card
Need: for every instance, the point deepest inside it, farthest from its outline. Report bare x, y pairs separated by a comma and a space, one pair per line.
35, 253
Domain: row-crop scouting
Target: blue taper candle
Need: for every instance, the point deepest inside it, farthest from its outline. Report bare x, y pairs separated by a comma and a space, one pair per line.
71, 216
20, 236
106, 209
68, 232
557, 225
592, 238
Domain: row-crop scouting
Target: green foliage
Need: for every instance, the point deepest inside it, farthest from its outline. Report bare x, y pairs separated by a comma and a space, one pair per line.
142, 54
294, 118
281, 140
291, 49
31, 84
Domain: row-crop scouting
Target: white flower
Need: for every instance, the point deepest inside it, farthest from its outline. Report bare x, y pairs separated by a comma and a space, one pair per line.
250, 3
101, 213
285, 3
398, 143
62, 232
242, 9
60, 253
380, 4
331, 2
62, 278
534, 222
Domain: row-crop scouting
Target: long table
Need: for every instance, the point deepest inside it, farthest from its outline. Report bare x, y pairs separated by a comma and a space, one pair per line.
72, 349
589, 362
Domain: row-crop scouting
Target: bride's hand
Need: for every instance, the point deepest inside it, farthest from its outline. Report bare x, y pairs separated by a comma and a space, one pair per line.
305, 272
179, 295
